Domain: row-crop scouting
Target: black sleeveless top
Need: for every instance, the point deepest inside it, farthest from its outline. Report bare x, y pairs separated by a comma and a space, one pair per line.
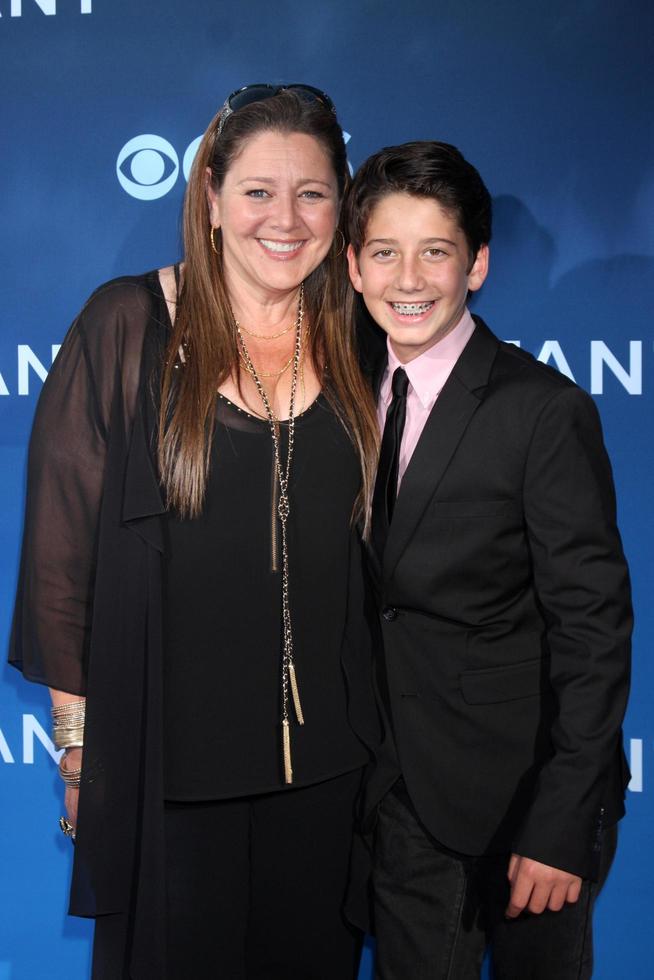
222, 612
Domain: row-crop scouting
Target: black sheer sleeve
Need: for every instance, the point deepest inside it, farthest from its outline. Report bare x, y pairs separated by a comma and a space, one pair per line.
99, 361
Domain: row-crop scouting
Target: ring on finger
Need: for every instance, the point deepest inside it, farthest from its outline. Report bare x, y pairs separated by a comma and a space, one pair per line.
67, 828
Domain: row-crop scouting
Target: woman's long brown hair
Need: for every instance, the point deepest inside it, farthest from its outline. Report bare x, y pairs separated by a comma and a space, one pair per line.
204, 326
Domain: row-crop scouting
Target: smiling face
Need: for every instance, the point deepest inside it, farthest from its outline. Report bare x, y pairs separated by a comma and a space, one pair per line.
277, 210
414, 271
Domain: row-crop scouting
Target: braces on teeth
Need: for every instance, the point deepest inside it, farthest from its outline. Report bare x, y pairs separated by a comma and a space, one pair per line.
411, 307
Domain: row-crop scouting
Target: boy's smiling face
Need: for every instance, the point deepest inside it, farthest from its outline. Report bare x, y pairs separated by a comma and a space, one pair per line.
414, 271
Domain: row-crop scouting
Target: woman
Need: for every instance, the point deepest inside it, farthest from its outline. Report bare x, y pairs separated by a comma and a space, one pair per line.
190, 584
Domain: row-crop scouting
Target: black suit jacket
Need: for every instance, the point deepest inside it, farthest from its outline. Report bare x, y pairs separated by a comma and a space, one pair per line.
505, 615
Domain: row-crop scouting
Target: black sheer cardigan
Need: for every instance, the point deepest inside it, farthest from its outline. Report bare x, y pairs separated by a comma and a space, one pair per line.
87, 617
88, 609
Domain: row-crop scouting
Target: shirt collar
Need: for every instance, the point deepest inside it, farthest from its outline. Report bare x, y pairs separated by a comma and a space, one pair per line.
429, 371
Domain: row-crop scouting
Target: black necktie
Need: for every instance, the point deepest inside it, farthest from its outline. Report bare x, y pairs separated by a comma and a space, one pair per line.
383, 500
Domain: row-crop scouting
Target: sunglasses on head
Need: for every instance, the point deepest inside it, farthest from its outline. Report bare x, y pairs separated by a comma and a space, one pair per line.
259, 93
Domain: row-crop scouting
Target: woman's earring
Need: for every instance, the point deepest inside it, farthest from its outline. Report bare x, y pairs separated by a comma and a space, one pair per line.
342, 247
213, 243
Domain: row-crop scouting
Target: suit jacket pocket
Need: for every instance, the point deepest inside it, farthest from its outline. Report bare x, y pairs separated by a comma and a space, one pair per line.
492, 685
476, 508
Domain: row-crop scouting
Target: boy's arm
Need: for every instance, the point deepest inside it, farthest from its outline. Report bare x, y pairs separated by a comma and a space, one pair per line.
582, 584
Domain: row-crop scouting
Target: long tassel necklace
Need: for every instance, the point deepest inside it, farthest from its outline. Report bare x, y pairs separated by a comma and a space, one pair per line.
289, 678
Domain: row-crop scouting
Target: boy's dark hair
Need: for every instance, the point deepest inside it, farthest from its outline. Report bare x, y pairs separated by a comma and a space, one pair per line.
422, 169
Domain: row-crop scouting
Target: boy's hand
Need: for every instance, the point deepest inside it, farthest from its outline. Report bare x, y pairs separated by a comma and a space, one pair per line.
536, 887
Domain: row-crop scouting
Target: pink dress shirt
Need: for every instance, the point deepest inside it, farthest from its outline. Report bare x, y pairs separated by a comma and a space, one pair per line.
427, 374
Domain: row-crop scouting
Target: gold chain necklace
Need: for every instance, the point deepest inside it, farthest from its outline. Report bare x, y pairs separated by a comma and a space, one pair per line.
289, 678
265, 374
263, 336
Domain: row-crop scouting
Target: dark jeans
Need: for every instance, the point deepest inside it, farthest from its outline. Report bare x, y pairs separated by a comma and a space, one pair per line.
436, 911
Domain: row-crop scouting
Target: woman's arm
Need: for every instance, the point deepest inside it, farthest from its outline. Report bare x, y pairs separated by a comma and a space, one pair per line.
94, 378
72, 758
65, 471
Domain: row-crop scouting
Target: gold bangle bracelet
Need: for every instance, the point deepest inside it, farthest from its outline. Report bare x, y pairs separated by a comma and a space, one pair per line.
59, 710
71, 777
68, 737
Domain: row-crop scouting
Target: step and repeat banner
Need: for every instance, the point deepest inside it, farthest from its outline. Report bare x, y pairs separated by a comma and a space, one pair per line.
101, 106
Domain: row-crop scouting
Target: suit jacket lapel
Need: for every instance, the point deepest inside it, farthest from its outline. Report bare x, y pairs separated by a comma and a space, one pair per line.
447, 422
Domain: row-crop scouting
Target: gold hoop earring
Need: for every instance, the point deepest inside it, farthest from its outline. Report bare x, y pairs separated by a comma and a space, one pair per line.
342, 248
213, 243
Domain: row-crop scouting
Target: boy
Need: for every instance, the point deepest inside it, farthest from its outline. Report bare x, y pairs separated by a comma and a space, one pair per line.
504, 600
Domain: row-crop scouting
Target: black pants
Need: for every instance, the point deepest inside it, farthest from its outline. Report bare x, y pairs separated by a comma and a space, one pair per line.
255, 886
436, 911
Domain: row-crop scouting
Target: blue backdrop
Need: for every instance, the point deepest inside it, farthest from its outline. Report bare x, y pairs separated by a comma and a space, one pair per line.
101, 102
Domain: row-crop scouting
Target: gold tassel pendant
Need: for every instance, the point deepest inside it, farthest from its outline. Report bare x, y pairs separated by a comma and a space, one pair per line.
296, 694
286, 742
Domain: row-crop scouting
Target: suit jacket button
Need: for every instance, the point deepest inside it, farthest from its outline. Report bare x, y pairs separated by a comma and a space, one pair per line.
389, 613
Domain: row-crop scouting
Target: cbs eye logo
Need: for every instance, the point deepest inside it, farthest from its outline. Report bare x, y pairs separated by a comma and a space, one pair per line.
147, 167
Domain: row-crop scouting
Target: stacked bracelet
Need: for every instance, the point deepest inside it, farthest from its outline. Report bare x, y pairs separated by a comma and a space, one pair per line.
71, 777
68, 724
